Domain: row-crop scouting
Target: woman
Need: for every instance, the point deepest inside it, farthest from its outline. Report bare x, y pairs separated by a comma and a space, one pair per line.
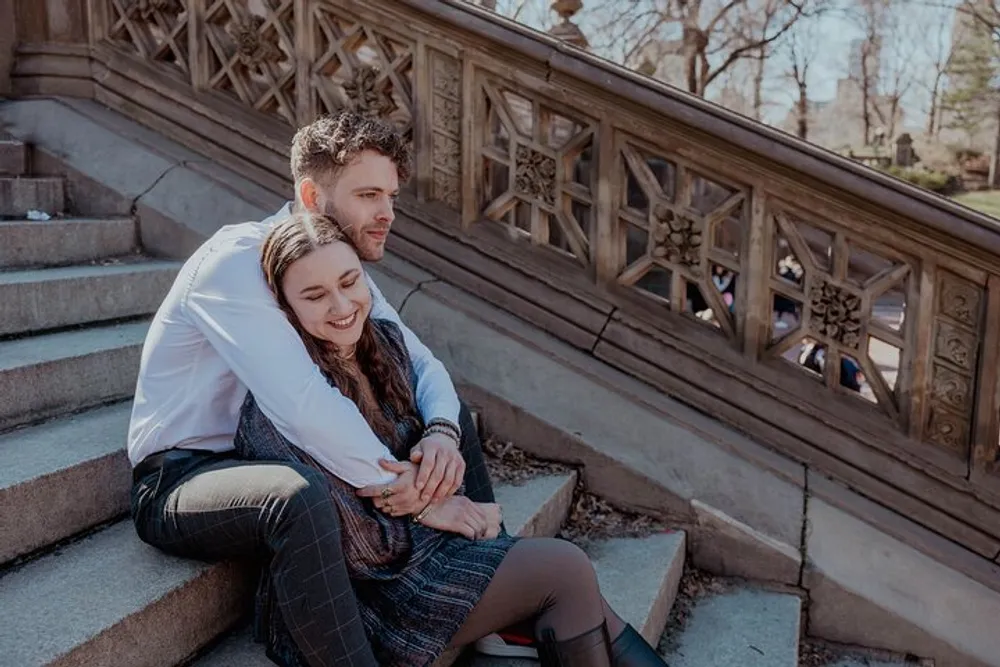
448, 575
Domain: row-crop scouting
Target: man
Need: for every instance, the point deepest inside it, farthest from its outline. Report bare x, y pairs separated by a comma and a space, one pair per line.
220, 333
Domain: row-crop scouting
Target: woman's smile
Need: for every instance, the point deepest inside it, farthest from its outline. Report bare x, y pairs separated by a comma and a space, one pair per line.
344, 323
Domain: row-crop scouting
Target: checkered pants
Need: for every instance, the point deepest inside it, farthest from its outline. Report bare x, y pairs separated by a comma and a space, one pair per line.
216, 507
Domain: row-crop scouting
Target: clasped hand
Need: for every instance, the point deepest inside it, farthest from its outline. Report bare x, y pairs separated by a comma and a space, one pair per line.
434, 472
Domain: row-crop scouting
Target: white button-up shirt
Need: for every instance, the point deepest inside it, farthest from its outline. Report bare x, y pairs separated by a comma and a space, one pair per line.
220, 332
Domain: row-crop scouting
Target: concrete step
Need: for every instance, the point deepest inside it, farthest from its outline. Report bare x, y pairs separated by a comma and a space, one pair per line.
13, 158
18, 195
538, 507
110, 600
67, 475
743, 626
40, 299
48, 375
639, 578
26, 243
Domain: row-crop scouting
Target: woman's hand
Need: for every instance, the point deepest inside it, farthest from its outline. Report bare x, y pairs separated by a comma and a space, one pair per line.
458, 514
494, 517
400, 497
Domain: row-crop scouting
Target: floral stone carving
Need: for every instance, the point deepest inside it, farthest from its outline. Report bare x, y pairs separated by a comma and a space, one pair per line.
253, 48
836, 314
535, 174
677, 236
368, 97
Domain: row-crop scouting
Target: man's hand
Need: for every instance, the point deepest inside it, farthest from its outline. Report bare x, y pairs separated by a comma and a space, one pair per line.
442, 467
400, 497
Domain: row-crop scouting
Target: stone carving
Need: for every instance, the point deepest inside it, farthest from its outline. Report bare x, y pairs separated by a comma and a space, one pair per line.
836, 313
960, 300
447, 152
446, 189
447, 77
253, 48
951, 389
367, 95
148, 9
447, 113
535, 174
677, 236
946, 429
955, 346
953, 383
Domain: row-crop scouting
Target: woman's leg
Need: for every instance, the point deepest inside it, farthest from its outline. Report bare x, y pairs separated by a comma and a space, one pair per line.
551, 581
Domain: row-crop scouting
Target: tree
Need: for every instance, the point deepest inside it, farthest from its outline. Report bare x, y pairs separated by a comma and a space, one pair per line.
937, 47
535, 13
974, 75
802, 48
865, 56
896, 72
709, 36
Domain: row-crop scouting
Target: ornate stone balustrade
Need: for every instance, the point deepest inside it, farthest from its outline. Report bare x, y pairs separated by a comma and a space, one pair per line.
844, 318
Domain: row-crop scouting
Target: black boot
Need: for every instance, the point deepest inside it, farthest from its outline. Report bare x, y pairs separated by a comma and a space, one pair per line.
591, 649
631, 650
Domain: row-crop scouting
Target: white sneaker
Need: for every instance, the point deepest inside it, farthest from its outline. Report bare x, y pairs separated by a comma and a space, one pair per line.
496, 646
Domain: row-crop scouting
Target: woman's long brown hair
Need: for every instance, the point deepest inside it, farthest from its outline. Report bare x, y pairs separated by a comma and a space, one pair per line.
291, 240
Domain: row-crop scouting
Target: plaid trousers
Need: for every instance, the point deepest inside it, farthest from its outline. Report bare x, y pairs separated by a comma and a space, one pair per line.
215, 507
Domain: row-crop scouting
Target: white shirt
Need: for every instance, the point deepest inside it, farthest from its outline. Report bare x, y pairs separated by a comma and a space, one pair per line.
220, 332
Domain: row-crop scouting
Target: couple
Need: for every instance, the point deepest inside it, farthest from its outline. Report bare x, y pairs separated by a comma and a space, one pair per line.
283, 411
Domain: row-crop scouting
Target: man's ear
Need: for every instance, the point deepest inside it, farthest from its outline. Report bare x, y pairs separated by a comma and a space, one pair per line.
308, 194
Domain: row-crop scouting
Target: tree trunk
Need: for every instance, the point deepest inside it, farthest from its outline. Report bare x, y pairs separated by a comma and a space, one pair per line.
994, 179
758, 85
932, 115
893, 109
803, 111
690, 50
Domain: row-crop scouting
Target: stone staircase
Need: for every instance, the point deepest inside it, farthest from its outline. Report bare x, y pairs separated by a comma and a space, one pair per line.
77, 587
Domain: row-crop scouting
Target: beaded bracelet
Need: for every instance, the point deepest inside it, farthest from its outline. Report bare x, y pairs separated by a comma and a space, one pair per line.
445, 428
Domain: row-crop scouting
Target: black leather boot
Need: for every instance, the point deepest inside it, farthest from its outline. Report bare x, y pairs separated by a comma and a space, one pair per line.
631, 650
591, 649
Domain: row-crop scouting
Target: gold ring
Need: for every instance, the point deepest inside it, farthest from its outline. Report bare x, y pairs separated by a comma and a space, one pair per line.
386, 493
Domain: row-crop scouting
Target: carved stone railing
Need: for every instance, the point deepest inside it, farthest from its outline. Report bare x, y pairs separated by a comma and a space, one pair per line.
842, 317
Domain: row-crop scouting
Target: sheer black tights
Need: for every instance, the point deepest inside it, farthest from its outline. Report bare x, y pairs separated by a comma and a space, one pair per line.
544, 583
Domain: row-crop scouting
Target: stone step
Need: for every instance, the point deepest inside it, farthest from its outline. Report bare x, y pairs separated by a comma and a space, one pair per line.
40, 299
67, 475
744, 626
537, 507
27, 243
110, 600
18, 195
51, 374
13, 158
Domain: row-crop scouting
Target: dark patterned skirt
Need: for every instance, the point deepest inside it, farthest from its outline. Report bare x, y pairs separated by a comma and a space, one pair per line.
409, 620
413, 601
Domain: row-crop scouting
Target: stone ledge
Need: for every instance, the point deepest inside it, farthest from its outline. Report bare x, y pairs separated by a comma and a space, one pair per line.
868, 588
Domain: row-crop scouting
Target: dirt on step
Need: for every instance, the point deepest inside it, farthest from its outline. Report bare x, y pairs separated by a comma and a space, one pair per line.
509, 465
593, 518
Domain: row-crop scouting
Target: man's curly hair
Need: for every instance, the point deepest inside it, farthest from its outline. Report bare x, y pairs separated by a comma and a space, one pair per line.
331, 142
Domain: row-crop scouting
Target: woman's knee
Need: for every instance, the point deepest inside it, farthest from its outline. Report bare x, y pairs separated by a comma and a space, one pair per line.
567, 566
